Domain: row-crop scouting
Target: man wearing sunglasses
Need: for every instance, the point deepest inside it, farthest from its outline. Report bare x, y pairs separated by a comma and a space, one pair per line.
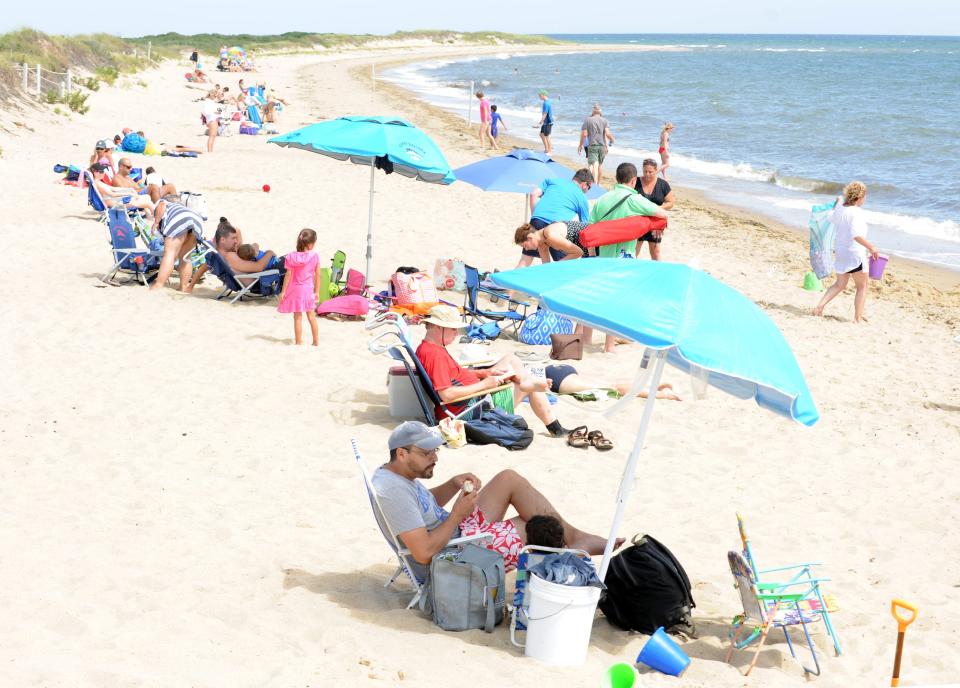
155, 191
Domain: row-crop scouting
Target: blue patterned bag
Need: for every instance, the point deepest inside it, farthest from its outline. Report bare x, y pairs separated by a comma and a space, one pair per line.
537, 328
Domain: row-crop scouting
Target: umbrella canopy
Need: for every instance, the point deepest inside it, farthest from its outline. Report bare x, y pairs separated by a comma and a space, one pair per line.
519, 171
700, 322
390, 143
387, 143
691, 320
236, 51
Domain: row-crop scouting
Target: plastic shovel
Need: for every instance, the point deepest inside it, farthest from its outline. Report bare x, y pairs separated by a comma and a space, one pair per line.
902, 624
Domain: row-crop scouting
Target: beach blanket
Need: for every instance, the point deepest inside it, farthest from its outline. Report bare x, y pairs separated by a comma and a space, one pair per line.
823, 235
617, 231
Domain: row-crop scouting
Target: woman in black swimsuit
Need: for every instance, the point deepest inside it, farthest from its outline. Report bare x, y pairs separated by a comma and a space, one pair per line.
560, 236
657, 191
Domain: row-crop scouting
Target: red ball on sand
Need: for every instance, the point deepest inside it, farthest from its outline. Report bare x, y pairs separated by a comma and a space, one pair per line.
266, 188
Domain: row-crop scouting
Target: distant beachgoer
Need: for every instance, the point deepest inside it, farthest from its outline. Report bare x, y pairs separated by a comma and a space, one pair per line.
113, 196
195, 57
103, 154
564, 379
558, 200
496, 121
210, 116
665, 148
546, 121
595, 136
657, 191
301, 286
485, 123
852, 248
181, 228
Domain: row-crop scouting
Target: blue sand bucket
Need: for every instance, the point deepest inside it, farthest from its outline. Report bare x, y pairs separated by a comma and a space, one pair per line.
621, 675
664, 655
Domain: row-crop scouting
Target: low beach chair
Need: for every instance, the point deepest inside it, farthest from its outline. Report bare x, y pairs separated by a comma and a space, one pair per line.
512, 317
129, 258
769, 605
795, 573
406, 563
265, 283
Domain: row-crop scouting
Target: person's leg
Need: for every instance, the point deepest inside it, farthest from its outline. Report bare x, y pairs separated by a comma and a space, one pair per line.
546, 142
510, 489
195, 279
838, 286
186, 266
664, 164
654, 250
314, 329
298, 328
211, 134
171, 248
480, 135
860, 300
609, 344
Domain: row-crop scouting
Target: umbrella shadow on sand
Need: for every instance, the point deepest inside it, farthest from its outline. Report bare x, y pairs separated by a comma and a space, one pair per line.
362, 594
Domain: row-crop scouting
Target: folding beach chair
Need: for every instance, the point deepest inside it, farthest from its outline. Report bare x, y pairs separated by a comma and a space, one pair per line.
511, 317
406, 564
771, 605
796, 573
265, 283
138, 262
529, 556
426, 393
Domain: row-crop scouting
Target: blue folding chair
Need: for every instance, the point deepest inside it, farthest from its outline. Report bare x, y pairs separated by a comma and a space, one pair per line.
512, 317
265, 283
130, 259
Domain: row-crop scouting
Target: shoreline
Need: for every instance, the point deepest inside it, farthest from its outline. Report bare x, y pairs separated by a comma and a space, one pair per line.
933, 275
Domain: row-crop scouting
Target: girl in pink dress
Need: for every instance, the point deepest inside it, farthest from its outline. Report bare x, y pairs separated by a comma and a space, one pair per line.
301, 285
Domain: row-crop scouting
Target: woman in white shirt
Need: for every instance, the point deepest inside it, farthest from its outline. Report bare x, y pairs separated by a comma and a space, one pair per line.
852, 248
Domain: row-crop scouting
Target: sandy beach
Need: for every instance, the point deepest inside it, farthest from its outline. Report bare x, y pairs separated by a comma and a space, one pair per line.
180, 504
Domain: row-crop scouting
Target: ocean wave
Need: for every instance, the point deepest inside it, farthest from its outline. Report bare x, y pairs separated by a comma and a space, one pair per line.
790, 50
946, 230
820, 186
741, 170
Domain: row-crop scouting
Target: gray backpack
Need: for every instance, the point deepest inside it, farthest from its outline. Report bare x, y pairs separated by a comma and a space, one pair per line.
465, 589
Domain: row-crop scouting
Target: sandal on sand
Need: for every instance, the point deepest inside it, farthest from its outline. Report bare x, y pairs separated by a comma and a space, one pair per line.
596, 438
578, 437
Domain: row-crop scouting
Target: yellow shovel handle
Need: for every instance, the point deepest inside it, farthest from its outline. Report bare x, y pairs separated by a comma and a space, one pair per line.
902, 622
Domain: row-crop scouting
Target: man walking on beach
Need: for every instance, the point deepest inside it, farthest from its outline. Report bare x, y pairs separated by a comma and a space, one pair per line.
595, 134
424, 527
546, 121
558, 200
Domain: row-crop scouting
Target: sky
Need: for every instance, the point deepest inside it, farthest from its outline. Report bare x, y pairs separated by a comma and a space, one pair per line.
920, 17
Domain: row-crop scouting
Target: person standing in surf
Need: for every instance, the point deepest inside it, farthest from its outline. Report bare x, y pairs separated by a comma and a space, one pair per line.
665, 148
485, 120
852, 248
546, 121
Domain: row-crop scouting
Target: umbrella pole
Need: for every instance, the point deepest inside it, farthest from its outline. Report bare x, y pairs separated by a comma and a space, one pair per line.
373, 171
626, 482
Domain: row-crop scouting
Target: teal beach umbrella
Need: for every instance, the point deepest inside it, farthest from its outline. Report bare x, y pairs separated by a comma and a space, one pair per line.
688, 319
387, 143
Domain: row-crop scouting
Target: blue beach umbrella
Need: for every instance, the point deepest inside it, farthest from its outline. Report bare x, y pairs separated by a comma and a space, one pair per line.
387, 143
519, 171
689, 319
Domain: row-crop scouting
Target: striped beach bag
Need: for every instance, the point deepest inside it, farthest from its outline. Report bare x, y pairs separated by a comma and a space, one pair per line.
537, 328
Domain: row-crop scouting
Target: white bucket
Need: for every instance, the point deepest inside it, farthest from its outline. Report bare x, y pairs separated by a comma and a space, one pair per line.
559, 621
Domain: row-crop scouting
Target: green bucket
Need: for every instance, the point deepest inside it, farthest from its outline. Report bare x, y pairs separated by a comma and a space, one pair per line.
811, 282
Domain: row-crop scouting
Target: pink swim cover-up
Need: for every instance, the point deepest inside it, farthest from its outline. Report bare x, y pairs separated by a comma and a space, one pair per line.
300, 297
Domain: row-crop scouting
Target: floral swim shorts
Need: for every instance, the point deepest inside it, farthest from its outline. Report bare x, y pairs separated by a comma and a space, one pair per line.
506, 539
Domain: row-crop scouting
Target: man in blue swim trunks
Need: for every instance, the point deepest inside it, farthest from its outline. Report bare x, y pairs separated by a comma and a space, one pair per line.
558, 200
546, 121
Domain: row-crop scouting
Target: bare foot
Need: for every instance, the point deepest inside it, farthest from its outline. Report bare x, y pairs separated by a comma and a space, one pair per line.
818, 311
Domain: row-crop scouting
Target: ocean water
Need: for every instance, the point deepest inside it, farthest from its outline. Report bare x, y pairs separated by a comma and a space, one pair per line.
770, 123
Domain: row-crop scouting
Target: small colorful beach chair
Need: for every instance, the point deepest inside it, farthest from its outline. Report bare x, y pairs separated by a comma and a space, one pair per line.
129, 258
265, 283
513, 317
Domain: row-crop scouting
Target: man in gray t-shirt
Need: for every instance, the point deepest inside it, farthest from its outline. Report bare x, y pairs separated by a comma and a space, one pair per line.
595, 136
416, 515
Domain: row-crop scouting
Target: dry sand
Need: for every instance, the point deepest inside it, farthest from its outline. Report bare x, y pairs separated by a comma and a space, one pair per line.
180, 505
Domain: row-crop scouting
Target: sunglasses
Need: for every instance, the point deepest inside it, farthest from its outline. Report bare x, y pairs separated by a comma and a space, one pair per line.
122, 165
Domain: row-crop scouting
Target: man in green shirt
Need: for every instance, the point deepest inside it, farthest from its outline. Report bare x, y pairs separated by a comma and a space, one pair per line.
619, 202
623, 201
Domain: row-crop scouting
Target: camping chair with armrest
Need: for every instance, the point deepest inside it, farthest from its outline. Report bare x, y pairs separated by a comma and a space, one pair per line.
426, 393
129, 258
529, 556
771, 605
265, 283
513, 317
404, 557
95, 199
796, 573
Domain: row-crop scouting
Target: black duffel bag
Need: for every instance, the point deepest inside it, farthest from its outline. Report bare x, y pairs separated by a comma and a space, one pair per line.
647, 588
496, 426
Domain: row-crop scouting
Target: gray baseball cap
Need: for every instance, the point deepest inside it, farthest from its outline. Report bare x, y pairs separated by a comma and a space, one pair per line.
413, 433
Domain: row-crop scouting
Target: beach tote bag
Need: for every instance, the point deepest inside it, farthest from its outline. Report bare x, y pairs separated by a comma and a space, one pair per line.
823, 235
449, 273
454, 432
410, 288
537, 328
